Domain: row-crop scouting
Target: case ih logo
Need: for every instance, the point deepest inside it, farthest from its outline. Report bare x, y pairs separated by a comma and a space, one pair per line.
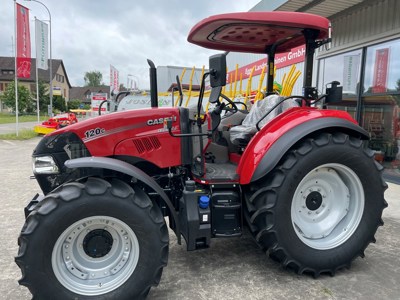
159, 121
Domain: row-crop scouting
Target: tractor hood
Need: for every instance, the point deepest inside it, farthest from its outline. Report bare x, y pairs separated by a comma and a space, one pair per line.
136, 134
141, 133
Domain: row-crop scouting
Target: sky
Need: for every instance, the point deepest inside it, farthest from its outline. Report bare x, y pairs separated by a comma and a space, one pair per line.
91, 35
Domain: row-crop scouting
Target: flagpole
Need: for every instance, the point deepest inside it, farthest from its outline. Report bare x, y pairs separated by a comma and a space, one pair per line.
50, 63
15, 70
37, 76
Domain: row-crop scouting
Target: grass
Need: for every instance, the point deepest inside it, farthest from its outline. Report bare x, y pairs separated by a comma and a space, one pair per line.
24, 134
10, 118
327, 291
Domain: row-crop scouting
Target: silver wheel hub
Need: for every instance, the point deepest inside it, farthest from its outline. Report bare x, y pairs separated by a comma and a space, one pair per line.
327, 206
95, 255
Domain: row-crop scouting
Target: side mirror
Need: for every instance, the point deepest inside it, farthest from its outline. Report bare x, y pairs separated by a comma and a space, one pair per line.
334, 94
217, 70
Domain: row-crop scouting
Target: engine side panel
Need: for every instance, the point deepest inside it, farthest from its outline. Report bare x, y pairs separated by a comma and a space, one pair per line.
138, 133
277, 136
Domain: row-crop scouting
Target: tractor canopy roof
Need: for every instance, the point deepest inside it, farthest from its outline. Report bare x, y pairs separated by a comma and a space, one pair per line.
257, 32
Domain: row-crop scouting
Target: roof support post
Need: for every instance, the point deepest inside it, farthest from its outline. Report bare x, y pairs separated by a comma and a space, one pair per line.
271, 68
310, 36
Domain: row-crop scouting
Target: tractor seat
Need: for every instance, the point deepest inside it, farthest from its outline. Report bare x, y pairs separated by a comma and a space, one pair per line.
241, 135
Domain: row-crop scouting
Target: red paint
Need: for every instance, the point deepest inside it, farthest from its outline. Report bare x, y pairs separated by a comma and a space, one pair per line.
127, 132
254, 32
271, 132
234, 157
23, 42
379, 84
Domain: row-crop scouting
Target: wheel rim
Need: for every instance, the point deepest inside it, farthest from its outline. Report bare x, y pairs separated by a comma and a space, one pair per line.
327, 206
95, 255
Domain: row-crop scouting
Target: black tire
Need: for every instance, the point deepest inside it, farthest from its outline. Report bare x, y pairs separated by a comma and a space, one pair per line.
272, 212
92, 200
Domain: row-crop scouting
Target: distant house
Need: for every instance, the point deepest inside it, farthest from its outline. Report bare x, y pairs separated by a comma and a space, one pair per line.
60, 81
83, 93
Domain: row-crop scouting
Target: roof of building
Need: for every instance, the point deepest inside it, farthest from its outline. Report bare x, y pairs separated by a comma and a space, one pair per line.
324, 8
8, 63
77, 92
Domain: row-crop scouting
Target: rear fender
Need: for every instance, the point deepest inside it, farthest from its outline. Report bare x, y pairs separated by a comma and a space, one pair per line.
269, 145
125, 168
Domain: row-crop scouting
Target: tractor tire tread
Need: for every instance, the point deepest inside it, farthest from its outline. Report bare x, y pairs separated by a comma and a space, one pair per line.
260, 205
72, 191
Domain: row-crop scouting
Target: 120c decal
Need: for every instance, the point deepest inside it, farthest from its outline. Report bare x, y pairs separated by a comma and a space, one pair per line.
93, 132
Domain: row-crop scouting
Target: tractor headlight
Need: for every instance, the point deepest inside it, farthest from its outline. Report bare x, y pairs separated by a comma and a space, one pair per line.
44, 165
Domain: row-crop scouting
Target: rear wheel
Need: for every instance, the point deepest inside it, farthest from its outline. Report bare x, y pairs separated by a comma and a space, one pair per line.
93, 240
320, 208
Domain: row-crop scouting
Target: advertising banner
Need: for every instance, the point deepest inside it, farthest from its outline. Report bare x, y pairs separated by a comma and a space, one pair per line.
114, 80
56, 91
379, 83
23, 42
282, 60
42, 48
350, 73
96, 99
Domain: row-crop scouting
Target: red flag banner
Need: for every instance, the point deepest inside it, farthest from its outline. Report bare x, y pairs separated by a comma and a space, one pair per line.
114, 80
23, 43
379, 84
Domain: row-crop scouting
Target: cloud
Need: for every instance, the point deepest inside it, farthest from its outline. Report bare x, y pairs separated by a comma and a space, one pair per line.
91, 35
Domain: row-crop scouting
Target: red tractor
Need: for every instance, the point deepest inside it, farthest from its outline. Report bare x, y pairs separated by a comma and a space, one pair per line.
304, 182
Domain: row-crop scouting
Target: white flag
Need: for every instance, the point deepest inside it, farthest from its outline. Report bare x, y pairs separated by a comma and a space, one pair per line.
350, 73
42, 49
114, 80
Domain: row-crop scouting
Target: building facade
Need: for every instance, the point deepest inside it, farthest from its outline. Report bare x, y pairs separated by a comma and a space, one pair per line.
60, 81
83, 94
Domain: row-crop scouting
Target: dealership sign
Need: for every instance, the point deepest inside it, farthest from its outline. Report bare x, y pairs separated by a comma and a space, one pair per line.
97, 98
282, 60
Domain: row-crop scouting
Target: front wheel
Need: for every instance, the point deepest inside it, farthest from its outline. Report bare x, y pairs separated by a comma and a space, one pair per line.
321, 206
93, 240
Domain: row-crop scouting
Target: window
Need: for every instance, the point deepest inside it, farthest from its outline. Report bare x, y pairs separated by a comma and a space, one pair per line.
59, 78
344, 68
379, 104
7, 72
382, 68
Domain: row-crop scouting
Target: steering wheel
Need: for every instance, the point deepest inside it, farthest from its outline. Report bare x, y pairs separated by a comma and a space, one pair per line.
234, 108
241, 103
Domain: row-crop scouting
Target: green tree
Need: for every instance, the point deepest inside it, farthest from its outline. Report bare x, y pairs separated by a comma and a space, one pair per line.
74, 104
25, 101
44, 98
59, 104
93, 78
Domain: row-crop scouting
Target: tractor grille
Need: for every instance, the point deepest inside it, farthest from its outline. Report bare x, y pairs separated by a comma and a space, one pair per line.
147, 144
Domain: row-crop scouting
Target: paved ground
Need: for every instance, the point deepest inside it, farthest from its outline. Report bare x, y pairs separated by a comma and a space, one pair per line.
230, 269
11, 127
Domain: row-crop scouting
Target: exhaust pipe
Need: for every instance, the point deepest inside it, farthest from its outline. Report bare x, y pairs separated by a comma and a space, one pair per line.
153, 84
